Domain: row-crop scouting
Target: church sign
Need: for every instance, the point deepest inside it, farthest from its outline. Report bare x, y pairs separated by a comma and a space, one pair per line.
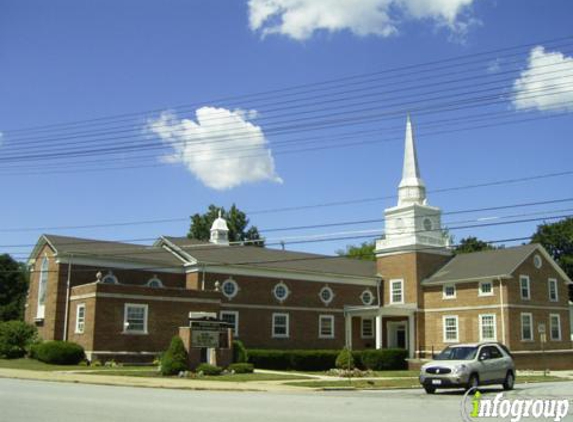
207, 333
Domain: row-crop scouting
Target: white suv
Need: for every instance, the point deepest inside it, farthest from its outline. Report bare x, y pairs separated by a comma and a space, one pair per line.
469, 366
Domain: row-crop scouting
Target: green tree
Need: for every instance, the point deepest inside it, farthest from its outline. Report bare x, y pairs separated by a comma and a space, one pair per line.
237, 222
363, 251
175, 358
13, 288
472, 244
557, 239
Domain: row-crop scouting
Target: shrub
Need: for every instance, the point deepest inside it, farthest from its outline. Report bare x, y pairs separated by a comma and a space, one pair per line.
59, 352
345, 360
242, 368
383, 360
174, 360
15, 338
208, 369
240, 354
300, 360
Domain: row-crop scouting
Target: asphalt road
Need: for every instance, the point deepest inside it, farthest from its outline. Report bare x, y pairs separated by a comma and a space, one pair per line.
40, 401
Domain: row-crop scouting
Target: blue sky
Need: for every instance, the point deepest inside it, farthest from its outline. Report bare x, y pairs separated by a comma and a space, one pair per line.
67, 61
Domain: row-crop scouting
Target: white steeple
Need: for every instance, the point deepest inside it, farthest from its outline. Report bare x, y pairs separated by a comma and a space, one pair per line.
411, 189
412, 224
219, 231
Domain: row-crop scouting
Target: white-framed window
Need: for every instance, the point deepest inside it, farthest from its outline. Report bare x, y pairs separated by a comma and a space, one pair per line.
42, 287
367, 328
396, 291
80, 318
135, 318
524, 287
109, 278
280, 328
281, 291
232, 317
555, 327
553, 291
526, 326
367, 297
485, 288
326, 326
230, 288
449, 291
326, 295
154, 282
487, 327
450, 323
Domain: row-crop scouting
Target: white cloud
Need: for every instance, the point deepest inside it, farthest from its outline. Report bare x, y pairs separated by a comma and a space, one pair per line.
299, 19
546, 84
221, 148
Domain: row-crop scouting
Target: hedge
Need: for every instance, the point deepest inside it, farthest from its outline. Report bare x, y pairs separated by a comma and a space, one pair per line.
59, 352
240, 354
323, 360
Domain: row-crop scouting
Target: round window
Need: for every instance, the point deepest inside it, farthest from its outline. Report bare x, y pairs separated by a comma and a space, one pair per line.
537, 261
281, 291
427, 224
230, 288
326, 295
367, 297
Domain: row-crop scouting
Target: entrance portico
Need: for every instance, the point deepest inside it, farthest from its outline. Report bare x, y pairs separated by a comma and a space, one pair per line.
396, 323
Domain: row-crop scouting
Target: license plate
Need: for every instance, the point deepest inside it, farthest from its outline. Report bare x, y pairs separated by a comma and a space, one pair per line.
436, 382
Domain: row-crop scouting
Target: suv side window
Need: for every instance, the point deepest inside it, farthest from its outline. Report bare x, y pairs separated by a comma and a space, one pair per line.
495, 353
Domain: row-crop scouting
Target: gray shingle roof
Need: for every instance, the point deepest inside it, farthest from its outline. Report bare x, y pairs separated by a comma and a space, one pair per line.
66, 245
252, 256
482, 265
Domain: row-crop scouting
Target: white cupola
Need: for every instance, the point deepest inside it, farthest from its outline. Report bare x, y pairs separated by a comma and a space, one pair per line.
219, 231
412, 224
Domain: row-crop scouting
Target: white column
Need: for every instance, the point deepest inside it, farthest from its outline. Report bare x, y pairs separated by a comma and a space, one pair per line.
348, 331
411, 335
378, 331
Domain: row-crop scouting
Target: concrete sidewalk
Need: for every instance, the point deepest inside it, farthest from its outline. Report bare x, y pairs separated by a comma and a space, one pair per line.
159, 382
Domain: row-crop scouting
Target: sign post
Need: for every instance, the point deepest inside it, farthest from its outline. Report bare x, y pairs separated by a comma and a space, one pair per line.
543, 339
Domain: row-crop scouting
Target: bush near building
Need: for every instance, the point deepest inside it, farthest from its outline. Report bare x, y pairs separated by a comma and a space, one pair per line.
323, 360
241, 368
15, 338
208, 369
240, 354
59, 352
175, 358
345, 360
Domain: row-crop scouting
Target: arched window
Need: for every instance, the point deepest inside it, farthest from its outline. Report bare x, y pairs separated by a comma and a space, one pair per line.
109, 278
42, 288
154, 282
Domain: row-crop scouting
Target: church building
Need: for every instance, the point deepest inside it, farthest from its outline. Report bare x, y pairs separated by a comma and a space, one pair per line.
125, 301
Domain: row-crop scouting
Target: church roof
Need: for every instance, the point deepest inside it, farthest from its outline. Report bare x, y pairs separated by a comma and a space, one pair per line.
483, 265
276, 259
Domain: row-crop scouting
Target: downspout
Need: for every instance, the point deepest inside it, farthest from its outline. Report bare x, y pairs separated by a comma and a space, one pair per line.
378, 282
502, 311
67, 308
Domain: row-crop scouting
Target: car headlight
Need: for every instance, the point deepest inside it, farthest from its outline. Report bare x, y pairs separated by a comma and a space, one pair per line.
460, 369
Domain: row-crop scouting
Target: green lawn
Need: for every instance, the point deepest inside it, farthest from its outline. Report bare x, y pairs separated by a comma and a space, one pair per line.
375, 374
34, 365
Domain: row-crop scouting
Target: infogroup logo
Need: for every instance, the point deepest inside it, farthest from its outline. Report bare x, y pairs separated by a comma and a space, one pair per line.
476, 407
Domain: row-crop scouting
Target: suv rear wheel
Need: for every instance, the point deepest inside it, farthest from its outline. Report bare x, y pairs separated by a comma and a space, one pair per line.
509, 381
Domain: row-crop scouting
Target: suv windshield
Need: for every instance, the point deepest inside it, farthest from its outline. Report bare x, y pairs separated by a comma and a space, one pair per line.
458, 353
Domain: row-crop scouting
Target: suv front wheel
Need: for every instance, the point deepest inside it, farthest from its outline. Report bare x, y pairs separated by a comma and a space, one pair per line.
473, 382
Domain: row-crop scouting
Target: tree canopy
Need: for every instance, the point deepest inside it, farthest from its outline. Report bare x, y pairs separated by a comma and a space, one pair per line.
13, 288
557, 239
472, 244
363, 251
237, 222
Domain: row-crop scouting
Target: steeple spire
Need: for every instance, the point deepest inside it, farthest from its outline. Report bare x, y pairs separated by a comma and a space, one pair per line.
411, 189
